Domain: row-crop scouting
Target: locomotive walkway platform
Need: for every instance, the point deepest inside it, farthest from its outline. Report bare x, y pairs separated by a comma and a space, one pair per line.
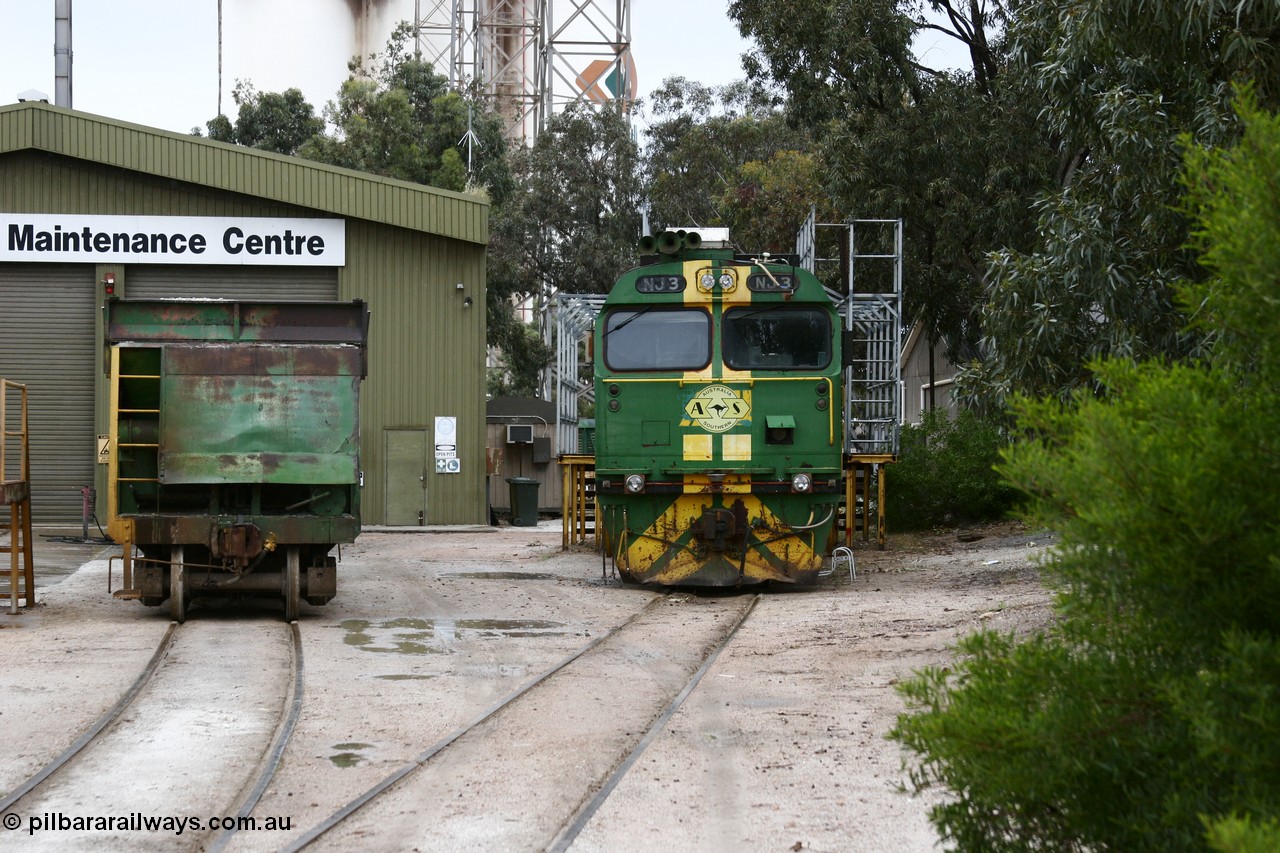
863, 473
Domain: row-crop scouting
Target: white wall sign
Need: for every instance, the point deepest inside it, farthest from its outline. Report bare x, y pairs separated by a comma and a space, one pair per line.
243, 240
446, 438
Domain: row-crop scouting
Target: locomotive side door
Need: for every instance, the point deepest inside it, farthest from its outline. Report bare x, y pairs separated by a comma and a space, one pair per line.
406, 451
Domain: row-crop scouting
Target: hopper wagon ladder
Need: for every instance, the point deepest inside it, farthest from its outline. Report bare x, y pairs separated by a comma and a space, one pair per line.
135, 448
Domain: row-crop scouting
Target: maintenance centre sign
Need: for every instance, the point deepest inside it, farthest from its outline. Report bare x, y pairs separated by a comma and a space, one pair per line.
243, 240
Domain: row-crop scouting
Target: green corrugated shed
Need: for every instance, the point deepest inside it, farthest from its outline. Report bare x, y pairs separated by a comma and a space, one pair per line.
260, 174
415, 254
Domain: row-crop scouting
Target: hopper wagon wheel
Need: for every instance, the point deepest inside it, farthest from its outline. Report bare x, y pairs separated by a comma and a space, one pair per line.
291, 584
177, 586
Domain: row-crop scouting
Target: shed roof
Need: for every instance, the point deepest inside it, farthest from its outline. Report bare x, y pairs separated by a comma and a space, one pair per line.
264, 174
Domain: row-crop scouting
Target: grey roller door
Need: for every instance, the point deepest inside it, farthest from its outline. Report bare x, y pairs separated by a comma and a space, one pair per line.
315, 284
47, 343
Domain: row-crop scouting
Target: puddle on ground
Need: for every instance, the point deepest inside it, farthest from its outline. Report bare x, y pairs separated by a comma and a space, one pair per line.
404, 622
350, 754
408, 636
505, 576
513, 627
506, 625
392, 636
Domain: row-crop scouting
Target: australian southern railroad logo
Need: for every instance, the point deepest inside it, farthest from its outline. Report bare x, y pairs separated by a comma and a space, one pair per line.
717, 408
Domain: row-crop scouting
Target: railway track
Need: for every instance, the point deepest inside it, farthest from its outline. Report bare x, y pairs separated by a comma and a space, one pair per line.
488, 783
204, 724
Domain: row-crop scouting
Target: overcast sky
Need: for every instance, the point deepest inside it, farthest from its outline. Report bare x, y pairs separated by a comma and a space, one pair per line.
155, 62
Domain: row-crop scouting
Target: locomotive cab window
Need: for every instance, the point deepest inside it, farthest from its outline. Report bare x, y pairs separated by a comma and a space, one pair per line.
782, 338
657, 339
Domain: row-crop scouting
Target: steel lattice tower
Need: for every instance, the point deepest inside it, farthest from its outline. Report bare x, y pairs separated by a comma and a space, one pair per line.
531, 57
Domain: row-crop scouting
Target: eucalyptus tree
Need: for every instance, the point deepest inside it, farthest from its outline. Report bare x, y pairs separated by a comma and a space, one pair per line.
571, 223
726, 156
955, 152
395, 116
1143, 717
273, 121
1123, 84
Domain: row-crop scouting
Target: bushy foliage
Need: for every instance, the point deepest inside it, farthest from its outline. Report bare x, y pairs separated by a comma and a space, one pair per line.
518, 362
571, 224
1120, 81
727, 156
1146, 717
396, 116
945, 473
393, 116
957, 154
273, 121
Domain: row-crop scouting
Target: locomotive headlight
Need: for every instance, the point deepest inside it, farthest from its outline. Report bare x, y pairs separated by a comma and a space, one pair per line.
801, 483
709, 281
634, 483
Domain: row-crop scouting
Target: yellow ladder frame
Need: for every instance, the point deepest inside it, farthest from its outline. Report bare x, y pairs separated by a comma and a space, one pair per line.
17, 494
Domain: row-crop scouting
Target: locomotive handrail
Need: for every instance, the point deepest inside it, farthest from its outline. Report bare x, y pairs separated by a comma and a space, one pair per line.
702, 469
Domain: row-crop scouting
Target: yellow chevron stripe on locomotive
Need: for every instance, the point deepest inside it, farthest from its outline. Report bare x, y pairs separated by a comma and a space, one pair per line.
722, 540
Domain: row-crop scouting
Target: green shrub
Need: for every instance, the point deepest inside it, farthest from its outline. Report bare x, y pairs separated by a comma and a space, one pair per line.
1147, 718
945, 474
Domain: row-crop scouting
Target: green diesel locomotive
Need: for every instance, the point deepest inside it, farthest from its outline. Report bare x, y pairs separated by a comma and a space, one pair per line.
719, 434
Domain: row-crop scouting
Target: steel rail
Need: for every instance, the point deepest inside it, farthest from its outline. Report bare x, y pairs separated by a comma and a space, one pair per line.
291, 711
579, 821
86, 737
426, 755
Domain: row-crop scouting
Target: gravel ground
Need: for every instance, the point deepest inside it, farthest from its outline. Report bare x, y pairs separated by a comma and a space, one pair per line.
781, 747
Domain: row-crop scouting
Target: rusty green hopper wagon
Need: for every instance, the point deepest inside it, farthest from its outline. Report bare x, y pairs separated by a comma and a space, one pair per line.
234, 456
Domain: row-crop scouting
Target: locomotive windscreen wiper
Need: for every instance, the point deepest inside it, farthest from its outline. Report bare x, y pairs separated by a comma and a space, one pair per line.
624, 323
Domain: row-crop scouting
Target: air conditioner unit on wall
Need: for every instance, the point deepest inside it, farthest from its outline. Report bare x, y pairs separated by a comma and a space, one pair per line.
519, 434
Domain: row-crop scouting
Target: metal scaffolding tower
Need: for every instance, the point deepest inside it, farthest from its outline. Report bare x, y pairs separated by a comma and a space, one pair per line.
531, 57
870, 302
575, 316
